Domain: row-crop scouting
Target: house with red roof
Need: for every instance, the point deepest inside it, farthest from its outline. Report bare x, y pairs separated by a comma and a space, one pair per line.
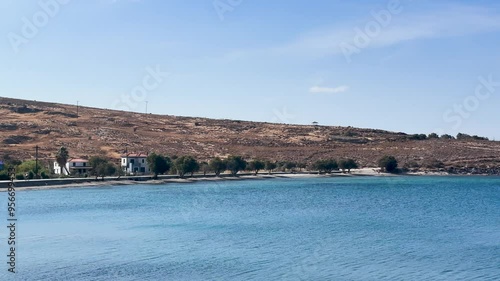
74, 166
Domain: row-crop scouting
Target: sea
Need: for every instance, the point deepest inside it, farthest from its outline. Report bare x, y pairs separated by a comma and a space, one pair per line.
331, 228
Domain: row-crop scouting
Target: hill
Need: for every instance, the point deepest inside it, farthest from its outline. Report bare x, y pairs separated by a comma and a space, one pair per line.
26, 124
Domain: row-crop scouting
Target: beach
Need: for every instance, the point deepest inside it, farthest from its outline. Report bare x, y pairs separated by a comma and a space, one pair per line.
23, 185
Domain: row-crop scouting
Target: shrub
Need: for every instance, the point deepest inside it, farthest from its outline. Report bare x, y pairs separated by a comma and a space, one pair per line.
418, 137
44, 175
4, 176
19, 177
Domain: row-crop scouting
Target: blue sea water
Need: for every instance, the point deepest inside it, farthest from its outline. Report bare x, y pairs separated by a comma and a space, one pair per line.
365, 228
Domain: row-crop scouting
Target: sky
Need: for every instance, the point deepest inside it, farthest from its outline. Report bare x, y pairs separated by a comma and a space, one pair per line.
406, 66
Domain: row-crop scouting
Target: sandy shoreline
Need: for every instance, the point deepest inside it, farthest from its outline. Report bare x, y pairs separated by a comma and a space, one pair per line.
91, 183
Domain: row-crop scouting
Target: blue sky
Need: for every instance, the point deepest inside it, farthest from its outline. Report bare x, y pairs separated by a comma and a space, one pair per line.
421, 69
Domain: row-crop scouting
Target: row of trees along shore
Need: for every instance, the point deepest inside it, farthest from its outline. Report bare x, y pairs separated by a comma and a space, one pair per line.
188, 165
160, 164
182, 166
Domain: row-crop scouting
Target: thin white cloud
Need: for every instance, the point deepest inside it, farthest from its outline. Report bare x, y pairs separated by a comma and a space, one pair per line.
328, 90
440, 22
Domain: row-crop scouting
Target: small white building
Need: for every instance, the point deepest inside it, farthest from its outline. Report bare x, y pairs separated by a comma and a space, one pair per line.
135, 163
73, 166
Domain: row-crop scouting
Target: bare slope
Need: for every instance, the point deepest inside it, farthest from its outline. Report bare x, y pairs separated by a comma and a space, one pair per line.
26, 124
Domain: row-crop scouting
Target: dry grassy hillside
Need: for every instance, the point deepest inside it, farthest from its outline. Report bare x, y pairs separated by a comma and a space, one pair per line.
26, 124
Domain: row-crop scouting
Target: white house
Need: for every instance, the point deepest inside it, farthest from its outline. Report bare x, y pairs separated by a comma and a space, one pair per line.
135, 163
73, 166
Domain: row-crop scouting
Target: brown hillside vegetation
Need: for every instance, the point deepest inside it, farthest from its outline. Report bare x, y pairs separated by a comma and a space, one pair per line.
26, 124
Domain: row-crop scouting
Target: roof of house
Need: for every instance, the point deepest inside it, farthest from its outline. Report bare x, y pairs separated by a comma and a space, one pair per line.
135, 155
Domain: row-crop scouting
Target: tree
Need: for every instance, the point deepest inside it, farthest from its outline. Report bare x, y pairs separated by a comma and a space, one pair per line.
62, 157
158, 164
326, 166
290, 166
433, 136
256, 165
217, 165
235, 164
388, 164
347, 164
204, 167
101, 167
301, 165
110, 169
270, 166
331, 165
447, 137
319, 166
186, 164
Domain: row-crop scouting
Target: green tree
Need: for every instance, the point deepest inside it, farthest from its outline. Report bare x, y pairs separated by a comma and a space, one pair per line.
185, 165
290, 166
204, 167
235, 164
331, 165
217, 165
62, 157
388, 164
347, 164
301, 165
256, 166
270, 166
158, 164
433, 136
319, 166
326, 166
101, 167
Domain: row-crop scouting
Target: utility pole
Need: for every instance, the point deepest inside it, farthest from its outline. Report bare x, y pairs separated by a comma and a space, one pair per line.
146, 106
36, 161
